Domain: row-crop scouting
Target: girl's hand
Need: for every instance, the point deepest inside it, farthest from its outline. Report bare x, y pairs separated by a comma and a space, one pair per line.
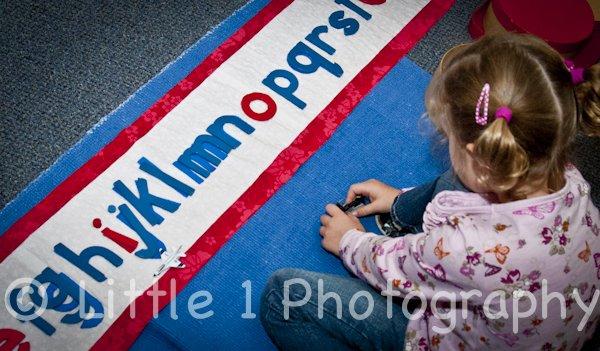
334, 225
382, 197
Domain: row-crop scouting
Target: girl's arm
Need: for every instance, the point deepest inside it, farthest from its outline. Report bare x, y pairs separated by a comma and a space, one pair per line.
442, 260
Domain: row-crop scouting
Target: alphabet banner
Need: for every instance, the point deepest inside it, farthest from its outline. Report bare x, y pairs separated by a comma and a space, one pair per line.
156, 202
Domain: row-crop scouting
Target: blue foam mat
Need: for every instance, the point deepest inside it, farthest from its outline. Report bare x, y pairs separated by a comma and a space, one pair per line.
379, 139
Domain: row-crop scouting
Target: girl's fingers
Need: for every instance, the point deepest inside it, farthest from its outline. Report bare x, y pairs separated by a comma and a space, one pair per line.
322, 231
365, 210
351, 194
325, 219
355, 190
333, 210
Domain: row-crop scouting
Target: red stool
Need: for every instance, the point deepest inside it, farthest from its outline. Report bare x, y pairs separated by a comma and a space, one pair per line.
568, 26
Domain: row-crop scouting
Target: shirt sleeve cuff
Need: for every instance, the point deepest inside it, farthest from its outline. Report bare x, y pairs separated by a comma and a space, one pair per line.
349, 238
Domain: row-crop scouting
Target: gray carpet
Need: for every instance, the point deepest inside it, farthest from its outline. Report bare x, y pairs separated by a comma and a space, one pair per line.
64, 65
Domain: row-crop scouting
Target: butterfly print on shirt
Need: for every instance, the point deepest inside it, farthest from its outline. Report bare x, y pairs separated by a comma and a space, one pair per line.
539, 211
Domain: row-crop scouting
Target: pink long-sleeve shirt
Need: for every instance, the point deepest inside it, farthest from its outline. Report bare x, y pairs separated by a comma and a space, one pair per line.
508, 252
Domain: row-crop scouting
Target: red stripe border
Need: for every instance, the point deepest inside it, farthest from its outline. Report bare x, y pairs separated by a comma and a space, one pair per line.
123, 332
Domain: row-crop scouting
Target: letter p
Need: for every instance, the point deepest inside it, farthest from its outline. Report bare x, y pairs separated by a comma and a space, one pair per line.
517, 314
287, 303
274, 82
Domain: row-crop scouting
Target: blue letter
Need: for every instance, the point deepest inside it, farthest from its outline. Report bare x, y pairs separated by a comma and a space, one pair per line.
315, 61
217, 129
82, 261
337, 21
153, 170
202, 157
285, 92
154, 246
65, 297
350, 5
17, 306
314, 39
145, 202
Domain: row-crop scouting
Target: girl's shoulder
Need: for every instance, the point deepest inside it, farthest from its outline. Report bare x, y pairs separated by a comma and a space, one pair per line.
573, 200
528, 235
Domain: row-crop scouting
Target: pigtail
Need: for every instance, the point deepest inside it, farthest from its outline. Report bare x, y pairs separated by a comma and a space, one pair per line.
502, 161
588, 96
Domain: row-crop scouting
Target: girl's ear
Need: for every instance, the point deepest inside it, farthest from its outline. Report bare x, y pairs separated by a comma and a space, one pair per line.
470, 147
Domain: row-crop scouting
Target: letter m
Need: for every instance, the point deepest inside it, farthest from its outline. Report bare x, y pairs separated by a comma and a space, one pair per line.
208, 150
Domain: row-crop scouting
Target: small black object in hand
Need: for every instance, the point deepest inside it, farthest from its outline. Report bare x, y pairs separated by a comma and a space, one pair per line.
353, 205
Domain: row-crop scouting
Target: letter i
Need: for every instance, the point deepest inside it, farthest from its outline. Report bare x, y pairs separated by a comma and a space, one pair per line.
123, 241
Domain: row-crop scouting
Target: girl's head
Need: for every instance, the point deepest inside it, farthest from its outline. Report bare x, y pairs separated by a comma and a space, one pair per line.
527, 153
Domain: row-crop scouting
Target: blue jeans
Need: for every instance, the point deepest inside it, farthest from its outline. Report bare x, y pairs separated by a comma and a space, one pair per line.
408, 208
304, 330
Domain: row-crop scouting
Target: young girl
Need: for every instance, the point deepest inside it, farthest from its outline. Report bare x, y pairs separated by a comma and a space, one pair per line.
513, 222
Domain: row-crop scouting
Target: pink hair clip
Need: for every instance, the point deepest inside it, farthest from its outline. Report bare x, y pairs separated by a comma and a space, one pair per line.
576, 73
484, 98
503, 112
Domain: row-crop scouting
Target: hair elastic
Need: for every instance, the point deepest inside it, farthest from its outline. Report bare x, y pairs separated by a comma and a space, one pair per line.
576, 73
504, 112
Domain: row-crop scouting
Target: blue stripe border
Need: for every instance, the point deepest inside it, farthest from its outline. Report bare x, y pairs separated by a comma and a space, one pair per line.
113, 123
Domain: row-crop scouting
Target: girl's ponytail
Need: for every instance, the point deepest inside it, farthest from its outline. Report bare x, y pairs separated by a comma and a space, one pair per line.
588, 96
502, 160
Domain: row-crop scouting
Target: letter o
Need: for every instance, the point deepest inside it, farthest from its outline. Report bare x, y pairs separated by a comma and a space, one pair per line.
259, 116
370, 305
373, 2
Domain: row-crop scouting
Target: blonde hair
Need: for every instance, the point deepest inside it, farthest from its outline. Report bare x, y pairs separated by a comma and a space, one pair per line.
526, 75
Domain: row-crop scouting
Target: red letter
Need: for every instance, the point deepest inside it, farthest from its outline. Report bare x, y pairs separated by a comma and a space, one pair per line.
10, 338
373, 2
262, 116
